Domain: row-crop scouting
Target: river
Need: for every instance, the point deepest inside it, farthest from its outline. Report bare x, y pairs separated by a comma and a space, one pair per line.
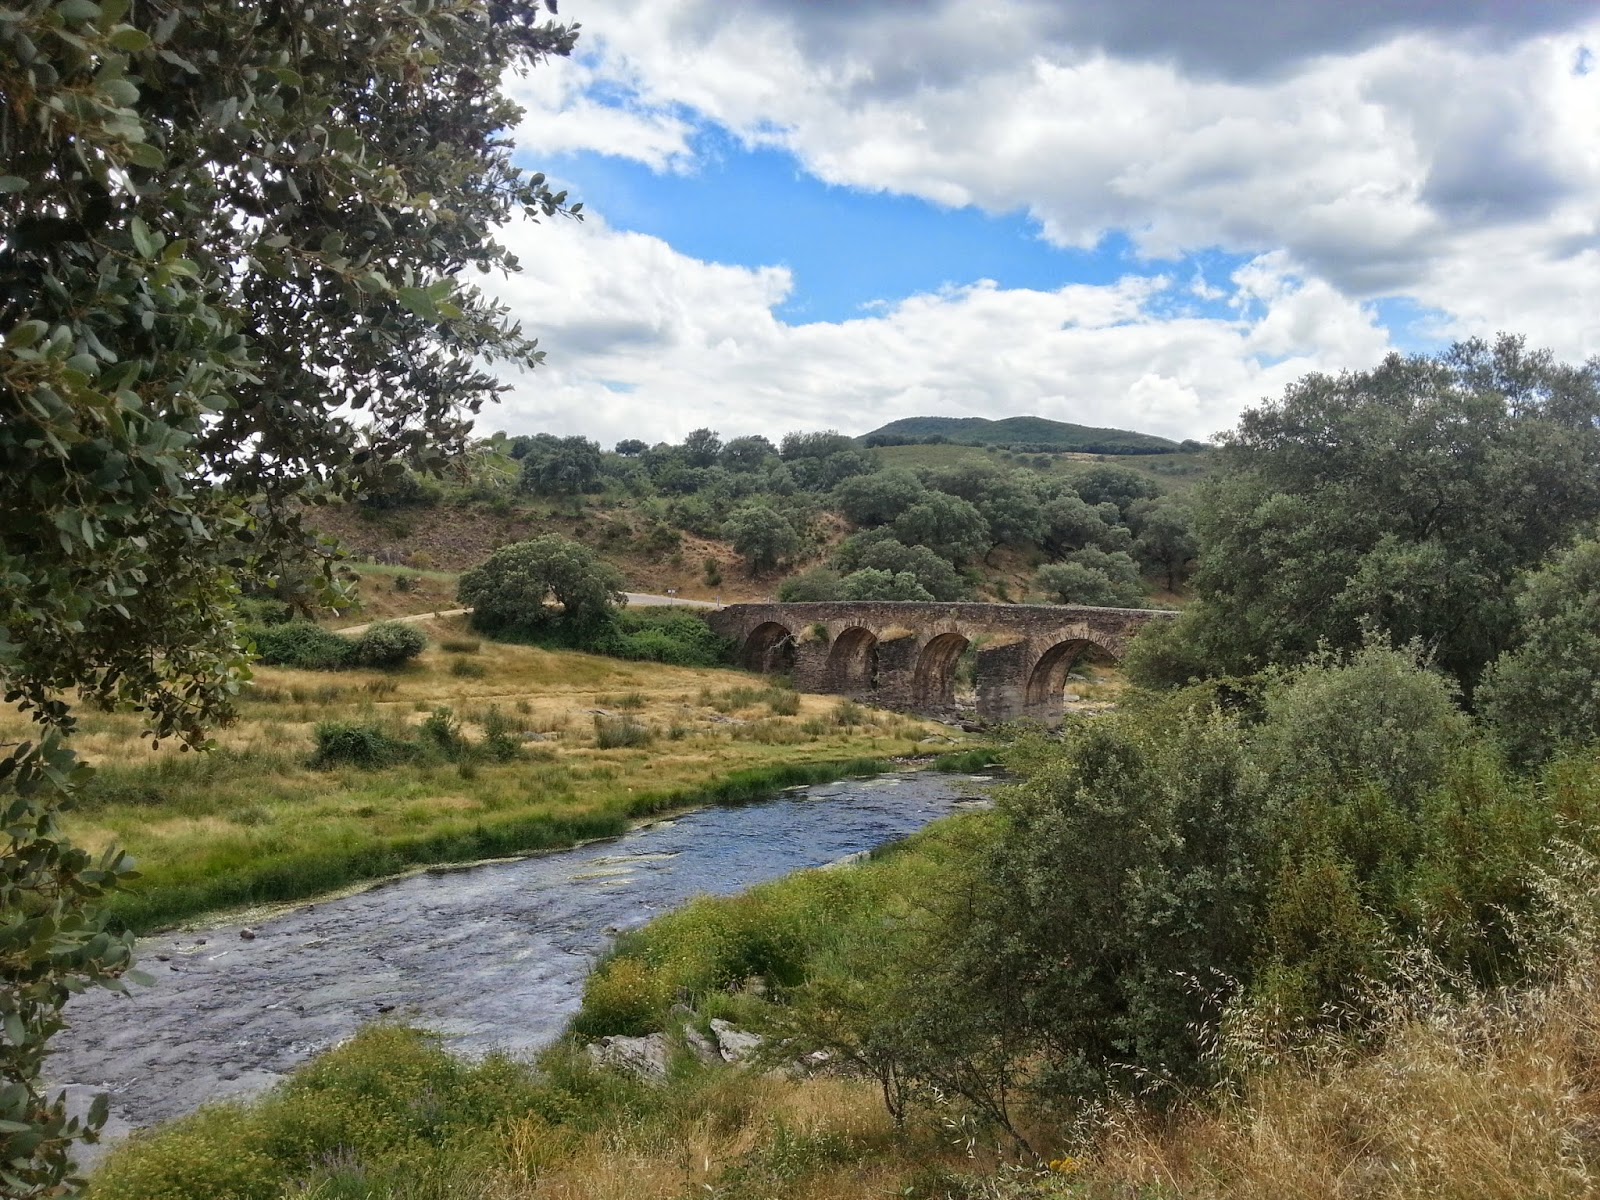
491, 957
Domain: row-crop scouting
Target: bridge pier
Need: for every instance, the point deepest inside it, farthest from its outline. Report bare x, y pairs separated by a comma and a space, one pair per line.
903, 655
1001, 695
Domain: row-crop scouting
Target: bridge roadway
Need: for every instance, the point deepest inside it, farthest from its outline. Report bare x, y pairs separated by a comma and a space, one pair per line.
902, 654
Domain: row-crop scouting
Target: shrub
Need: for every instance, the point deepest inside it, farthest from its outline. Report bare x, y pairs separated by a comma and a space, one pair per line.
299, 644
387, 645
442, 730
620, 733
465, 668
661, 635
500, 739
346, 743
460, 645
819, 583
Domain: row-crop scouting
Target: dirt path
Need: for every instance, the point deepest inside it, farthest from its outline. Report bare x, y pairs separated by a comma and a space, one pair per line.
635, 600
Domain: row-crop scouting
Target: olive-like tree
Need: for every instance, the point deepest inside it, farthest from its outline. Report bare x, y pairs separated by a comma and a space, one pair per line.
762, 536
514, 590
233, 239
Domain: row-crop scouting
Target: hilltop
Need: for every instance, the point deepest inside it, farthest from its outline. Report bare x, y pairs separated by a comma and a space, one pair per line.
1028, 435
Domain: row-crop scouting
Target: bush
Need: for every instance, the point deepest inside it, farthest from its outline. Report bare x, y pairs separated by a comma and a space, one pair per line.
387, 645
620, 733
819, 583
500, 739
664, 635
346, 743
460, 645
299, 644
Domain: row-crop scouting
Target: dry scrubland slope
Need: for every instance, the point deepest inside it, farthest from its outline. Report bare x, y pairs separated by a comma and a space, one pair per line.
453, 537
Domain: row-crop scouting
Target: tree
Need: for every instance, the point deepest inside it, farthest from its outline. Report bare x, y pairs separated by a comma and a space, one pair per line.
701, 448
1085, 582
517, 588
879, 498
762, 537
1008, 500
556, 466
872, 584
1543, 694
1071, 523
949, 526
878, 549
1406, 499
820, 445
1105, 483
228, 291
629, 448
746, 455
1166, 540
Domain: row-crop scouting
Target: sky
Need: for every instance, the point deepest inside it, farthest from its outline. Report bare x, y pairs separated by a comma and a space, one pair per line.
1145, 214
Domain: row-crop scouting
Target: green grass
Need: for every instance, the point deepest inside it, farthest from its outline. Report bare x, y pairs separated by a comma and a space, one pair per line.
247, 870
259, 819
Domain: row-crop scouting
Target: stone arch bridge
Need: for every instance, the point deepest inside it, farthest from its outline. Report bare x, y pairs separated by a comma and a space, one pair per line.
903, 654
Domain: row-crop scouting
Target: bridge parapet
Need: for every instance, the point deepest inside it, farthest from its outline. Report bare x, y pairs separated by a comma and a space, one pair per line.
903, 654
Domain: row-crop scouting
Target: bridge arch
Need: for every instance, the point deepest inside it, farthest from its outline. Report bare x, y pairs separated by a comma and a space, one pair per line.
1048, 679
934, 681
853, 661
768, 648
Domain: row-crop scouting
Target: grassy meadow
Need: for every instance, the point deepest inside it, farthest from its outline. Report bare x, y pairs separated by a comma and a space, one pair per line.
538, 749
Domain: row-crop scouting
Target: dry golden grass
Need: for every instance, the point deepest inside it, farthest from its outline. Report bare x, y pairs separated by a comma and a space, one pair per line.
255, 821
654, 1160
1485, 1100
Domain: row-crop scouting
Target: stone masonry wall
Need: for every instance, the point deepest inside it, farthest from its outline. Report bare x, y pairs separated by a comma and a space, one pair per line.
900, 654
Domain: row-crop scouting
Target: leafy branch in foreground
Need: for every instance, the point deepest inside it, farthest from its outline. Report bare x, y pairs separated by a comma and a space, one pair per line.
230, 242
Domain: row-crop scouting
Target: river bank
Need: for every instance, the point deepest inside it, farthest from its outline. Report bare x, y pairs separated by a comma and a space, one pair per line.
491, 958
508, 750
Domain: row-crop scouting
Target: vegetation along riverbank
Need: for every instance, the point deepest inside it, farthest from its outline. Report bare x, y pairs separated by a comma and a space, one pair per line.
472, 750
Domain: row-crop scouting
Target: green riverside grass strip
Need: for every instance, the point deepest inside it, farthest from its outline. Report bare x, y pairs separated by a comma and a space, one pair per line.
169, 896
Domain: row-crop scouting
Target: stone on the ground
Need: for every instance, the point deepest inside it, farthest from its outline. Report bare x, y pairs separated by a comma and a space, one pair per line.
735, 1044
700, 1045
645, 1056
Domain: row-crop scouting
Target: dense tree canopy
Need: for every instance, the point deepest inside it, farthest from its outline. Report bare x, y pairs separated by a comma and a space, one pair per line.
556, 466
228, 284
527, 586
1406, 498
1543, 694
762, 536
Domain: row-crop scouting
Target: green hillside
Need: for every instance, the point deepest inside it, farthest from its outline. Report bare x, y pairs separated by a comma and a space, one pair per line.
1028, 434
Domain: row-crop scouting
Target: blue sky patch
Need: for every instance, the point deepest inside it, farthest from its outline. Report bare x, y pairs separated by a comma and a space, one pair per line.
850, 251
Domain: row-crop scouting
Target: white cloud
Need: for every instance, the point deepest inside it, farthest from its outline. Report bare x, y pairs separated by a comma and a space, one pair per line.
1371, 168
1459, 172
646, 342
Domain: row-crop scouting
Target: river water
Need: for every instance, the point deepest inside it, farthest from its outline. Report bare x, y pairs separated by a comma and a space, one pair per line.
491, 957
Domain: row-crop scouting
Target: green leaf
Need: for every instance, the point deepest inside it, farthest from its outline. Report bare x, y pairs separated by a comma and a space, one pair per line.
126, 37
143, 154
26, 334
142, 241
79, 10
13, 183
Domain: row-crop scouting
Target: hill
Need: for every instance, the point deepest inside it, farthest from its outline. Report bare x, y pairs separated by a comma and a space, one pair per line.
1032, 435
